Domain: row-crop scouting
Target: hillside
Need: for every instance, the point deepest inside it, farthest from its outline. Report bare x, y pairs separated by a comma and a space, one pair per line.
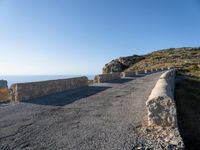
187, 59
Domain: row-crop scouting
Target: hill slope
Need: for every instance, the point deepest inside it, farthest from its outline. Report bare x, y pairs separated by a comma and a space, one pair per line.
187, 59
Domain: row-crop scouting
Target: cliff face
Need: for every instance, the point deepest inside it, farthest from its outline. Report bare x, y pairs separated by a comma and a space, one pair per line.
185, 58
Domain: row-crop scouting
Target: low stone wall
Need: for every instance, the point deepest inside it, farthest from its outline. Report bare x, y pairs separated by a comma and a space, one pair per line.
25, 91
162, 96
153, 70
128, 74
165, 68
131, 74
106, 77
147, 71
141, 72
161, 109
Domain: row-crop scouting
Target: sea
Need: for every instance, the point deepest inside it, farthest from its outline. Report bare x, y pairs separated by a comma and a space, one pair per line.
34, 78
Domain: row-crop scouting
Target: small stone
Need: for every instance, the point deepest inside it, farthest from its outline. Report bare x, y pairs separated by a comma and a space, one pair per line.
139, 148
147, 130
167, 139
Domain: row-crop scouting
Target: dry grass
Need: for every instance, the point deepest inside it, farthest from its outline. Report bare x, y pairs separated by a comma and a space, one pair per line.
188, 109
178, 58
192, 70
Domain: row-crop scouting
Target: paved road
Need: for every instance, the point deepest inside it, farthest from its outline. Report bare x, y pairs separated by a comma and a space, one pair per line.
101, 116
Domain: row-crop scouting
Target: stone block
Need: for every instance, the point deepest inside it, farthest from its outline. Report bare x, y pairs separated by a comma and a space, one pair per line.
107, 77
128, 74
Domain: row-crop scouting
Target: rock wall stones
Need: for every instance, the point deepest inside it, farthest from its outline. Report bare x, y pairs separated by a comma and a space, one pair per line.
106, 77
25, 91
141, 72
134, 73
161, 105
147, 71
128, 74
3, 84
162, 110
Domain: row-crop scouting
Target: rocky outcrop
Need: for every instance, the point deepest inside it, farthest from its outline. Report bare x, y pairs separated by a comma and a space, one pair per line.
122, 63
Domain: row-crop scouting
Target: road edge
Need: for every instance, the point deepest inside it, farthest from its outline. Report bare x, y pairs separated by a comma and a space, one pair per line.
162, 112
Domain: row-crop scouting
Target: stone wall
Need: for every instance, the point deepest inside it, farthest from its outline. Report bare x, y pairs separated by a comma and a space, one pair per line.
133, 73
147, 71
141, 72
128, 74
25, 91
160, 104
106, 77
161, 109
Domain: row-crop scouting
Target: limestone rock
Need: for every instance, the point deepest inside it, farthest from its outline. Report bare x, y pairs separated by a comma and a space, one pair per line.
162, 112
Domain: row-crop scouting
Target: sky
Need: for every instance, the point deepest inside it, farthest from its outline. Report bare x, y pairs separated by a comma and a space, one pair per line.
77, 37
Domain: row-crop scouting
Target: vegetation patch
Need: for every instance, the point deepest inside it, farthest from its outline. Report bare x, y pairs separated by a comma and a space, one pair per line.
184, 58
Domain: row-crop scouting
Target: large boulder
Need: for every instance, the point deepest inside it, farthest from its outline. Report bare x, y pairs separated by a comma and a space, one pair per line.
122, 63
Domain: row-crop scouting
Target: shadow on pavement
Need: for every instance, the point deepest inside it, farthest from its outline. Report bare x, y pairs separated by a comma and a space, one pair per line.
67, 97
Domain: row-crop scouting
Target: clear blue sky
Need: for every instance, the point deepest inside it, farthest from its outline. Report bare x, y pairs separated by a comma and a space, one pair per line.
80, 36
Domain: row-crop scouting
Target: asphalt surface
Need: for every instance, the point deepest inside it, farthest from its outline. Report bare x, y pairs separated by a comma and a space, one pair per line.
101, 116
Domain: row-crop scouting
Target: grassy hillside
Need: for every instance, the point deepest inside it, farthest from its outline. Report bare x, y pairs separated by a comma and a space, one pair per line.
187, 59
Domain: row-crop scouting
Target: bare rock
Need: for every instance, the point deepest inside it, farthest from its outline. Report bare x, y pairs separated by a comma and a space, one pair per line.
162, 112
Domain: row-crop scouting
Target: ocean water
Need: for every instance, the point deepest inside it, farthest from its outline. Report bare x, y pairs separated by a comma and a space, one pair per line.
34, 78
